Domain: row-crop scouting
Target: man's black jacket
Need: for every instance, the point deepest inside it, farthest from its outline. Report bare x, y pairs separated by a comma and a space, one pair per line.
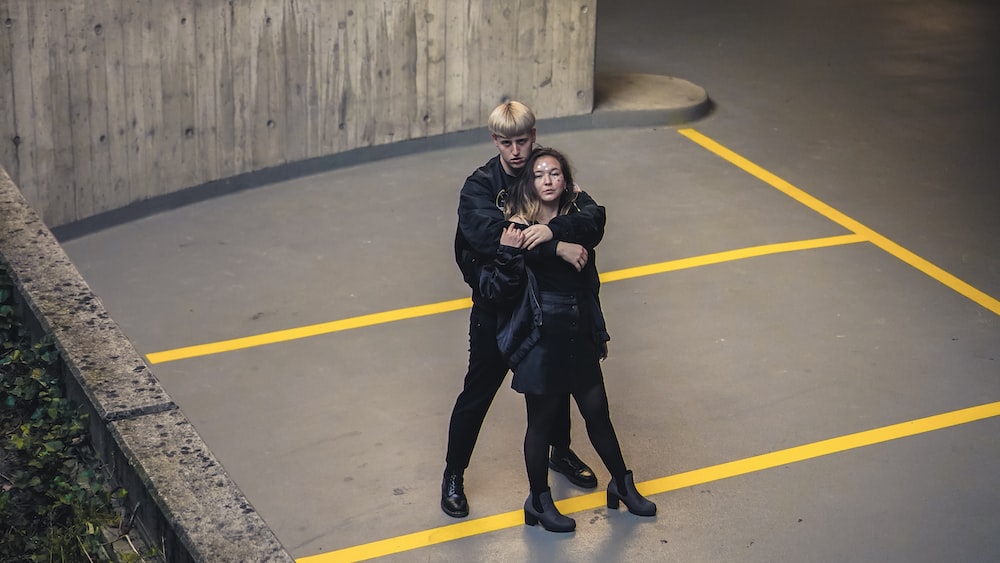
480, 221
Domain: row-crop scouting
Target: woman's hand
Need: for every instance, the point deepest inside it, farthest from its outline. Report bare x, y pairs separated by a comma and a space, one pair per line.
537, 234
512, 236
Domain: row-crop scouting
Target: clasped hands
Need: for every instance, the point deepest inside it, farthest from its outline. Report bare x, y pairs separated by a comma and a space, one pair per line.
530, 237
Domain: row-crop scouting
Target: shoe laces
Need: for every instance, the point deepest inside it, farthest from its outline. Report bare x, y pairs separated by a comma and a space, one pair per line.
453, 484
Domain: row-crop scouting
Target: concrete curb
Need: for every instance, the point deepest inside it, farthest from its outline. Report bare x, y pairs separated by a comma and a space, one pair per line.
186, 504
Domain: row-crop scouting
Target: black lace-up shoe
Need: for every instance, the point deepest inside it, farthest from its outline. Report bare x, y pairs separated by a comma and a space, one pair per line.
567, 463
453, 501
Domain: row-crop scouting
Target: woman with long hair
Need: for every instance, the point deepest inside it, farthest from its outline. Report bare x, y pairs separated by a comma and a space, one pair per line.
553, 336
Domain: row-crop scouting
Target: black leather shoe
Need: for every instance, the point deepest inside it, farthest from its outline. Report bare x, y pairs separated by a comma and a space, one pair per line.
453, 501
573, 468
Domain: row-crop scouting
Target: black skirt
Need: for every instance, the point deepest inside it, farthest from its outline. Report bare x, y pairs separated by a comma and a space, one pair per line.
566, 358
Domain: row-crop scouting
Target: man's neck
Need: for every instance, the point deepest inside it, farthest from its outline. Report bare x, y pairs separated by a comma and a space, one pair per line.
507, 170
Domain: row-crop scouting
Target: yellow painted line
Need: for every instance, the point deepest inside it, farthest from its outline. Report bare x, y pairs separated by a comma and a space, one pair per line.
729, 256
859, 233
696, 477
307, 331
848, 223
457, 304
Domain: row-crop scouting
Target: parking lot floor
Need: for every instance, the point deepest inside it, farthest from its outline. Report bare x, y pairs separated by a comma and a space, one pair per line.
801, 368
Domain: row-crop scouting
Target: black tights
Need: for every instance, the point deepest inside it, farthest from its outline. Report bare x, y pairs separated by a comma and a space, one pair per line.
542, 409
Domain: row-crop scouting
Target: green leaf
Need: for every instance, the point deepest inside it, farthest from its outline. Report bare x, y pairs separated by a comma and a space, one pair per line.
54, 446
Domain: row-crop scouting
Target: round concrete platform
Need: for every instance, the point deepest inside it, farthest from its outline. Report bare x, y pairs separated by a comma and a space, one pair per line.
649, 98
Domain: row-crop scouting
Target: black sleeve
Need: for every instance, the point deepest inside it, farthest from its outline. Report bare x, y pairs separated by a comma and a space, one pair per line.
600, 328
502, 280
480, 221
585, 227
544, 251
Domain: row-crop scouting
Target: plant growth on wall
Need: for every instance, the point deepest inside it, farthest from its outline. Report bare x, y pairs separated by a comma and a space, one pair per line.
55, 504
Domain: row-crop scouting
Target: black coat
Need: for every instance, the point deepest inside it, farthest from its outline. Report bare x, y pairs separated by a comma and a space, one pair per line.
509, 283
480, 221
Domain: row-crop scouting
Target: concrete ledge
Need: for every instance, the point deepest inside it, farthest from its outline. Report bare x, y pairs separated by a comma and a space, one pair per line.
163, 454
187, 504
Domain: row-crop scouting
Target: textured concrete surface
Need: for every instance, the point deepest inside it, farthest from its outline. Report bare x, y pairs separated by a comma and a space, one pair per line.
882, 111
631, 98
206, 512
186, 504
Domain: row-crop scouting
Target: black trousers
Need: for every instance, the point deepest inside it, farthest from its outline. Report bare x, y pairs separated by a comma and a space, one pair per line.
487, 371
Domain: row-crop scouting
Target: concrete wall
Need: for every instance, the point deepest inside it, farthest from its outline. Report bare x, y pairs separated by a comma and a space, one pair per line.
104, 103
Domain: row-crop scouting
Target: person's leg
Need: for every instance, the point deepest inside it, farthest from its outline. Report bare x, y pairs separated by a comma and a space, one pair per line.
561, 425
542, 413
539, 507
487, 370
563, 459
486, 373
593, 404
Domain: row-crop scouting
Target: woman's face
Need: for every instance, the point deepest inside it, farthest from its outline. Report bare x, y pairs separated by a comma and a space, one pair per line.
549, 180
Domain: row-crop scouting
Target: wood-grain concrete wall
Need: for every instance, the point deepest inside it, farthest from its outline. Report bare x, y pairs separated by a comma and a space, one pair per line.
104, 103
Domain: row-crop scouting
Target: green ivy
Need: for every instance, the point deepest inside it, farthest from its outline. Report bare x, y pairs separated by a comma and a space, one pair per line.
54, 499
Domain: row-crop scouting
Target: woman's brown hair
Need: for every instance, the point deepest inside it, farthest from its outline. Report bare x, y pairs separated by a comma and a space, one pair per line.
523, 199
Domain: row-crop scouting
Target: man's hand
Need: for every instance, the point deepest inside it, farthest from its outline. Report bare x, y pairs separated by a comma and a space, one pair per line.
572, 253
602, 351
535, 235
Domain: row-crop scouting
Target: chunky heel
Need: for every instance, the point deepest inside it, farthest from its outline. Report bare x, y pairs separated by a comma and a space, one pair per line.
529, 518
550, 517
636, 503
612, 499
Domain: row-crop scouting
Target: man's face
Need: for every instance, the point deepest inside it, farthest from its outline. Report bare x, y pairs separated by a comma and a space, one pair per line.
514, 150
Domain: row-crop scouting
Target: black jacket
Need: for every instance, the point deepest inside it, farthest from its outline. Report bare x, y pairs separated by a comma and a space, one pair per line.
508, 282
480, 221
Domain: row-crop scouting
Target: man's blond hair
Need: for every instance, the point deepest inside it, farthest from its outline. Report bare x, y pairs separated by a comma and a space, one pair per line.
511, 119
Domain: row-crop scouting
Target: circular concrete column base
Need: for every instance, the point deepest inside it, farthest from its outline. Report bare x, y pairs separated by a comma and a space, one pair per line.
648, 98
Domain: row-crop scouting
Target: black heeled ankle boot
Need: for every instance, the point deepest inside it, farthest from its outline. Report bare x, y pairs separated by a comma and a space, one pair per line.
550, 517
636, 503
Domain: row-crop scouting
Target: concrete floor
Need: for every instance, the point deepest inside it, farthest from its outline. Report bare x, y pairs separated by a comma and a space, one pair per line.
883, 111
